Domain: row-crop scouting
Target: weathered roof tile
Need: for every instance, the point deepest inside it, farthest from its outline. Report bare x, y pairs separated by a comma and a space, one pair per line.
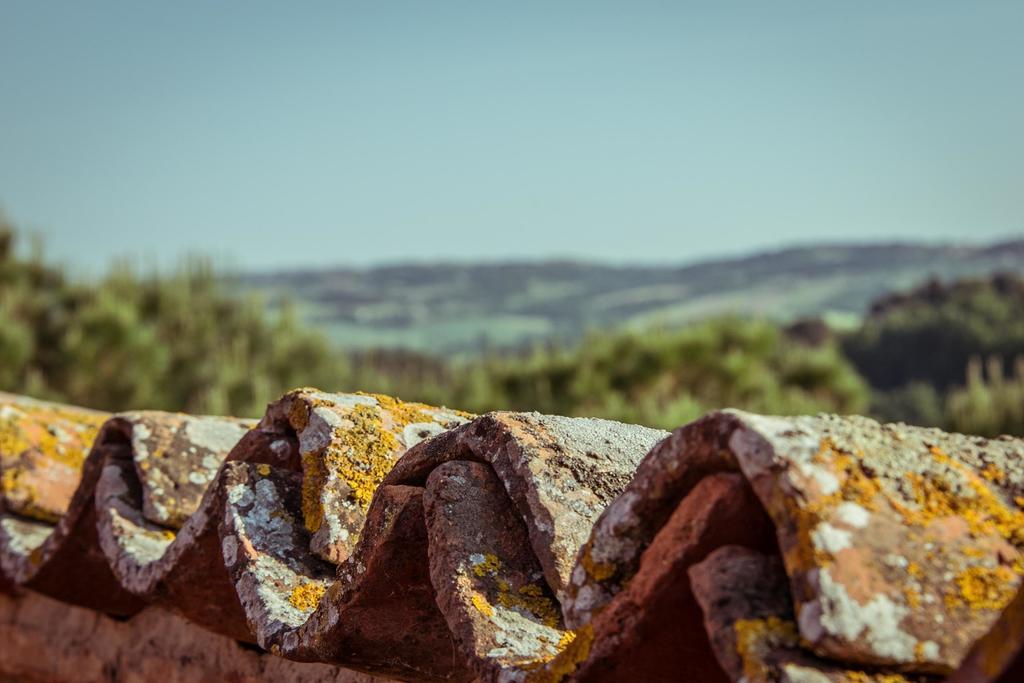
421, 543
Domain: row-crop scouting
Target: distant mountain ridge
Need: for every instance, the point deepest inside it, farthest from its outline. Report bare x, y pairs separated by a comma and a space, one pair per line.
452, 308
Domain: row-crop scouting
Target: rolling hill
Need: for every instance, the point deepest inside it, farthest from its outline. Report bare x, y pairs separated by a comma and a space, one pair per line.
452, 308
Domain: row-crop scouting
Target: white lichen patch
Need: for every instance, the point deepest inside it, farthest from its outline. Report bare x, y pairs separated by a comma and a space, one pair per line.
852, 515
319, 430
830, 539
200, 477
839, 615
267, 526
827, 482
265, 586
793, 673
419, 431
929, 650
270, 565
214, 435
22, 536
519, 637
344, 400
141, 434
143, 546
755, 454
240, 495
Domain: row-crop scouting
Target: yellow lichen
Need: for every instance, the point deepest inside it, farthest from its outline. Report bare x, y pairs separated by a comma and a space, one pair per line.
361, 452
933, 498
528, 598
54, 434
756, 638
298, 415
263, 469
984, 512
531, 598
985, 588
862, 677
575, 649
402, 413
856, 486
537, 663
481, 604
24, 495
490, 564
160, 534
59, 434
306, 596
598, 571
313, 476
993, 473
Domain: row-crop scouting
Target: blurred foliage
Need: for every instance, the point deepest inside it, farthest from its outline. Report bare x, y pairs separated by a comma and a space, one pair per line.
182, 342
175, 342
989, 405
665, 378
931, 333
922, 352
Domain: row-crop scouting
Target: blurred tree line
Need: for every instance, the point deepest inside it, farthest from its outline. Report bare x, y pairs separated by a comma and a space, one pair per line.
940, 355
948, 355
175, 342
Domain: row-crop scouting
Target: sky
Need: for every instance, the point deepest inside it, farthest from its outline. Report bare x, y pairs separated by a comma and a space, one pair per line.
307, 134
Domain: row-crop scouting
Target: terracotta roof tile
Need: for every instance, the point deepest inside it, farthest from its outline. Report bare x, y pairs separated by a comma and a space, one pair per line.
420, 543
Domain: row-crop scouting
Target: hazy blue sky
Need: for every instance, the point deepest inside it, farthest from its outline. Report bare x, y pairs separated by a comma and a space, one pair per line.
292, 134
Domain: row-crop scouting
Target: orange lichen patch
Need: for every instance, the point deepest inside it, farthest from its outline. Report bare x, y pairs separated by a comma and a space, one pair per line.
263, 469
481, 604
58, 434
490, 564
535, 664
313, 479
599, 571
934, 497
984, 512
160, 534
862, 677
361, 451
973, 552
574, 650
757, 638
42, 449
566, 640
855, 485
984, 588
10, 481
530, 598
993, 474
298, 415
402, 413
912, 596
306, 596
